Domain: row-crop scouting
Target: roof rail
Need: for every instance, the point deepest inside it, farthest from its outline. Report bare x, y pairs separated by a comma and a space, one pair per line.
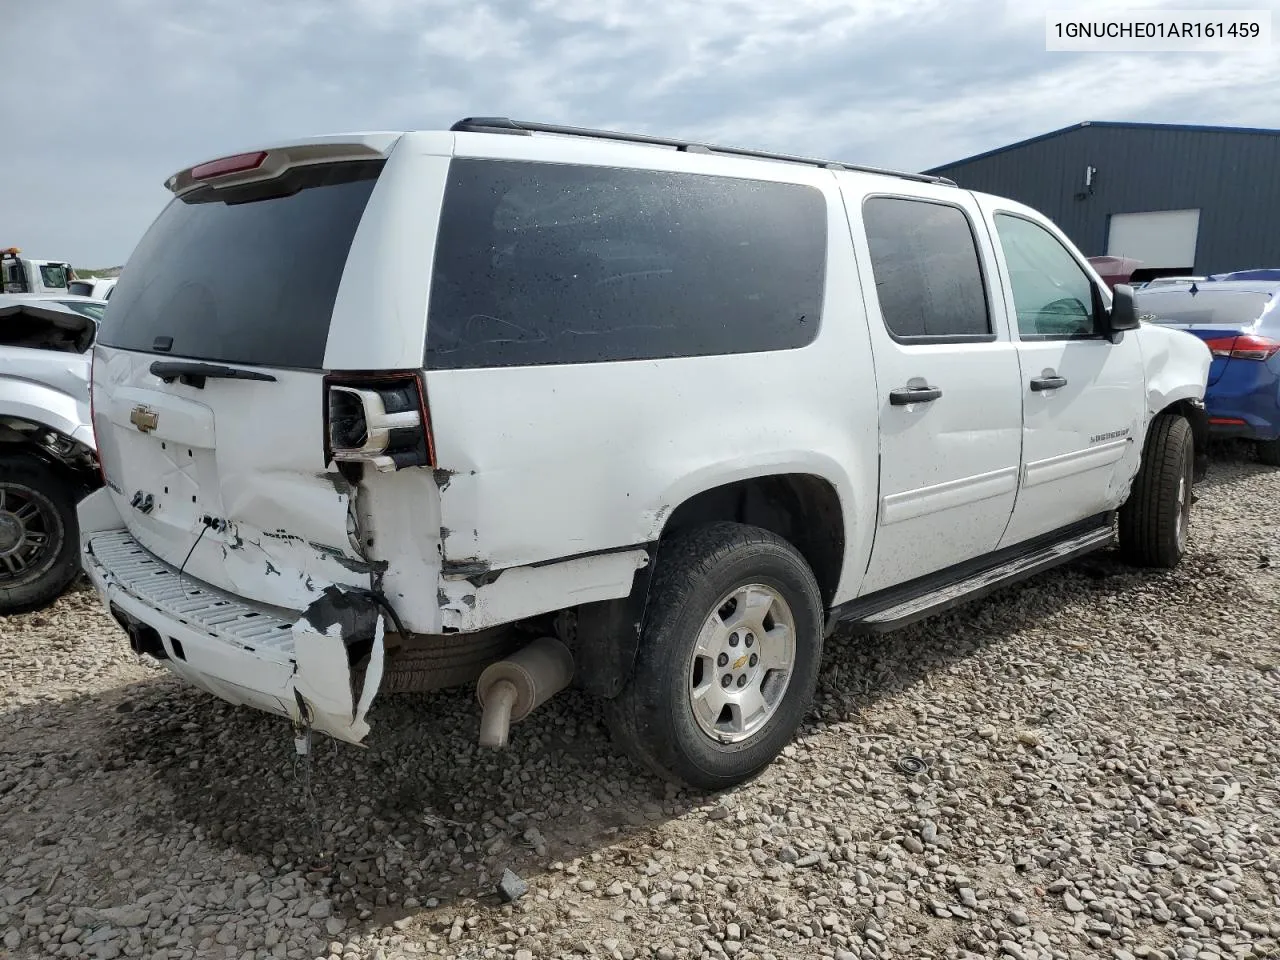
525, 128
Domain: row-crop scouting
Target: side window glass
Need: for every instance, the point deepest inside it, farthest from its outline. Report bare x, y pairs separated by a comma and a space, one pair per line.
925, 262
1052, 294
547, 263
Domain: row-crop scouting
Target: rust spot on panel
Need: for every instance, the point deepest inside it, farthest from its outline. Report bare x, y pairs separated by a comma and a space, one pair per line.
470, 600
484, 579
443, 477
349, 563
467, 567
444, 533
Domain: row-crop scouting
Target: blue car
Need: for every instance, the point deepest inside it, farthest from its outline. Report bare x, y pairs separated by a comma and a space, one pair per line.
1239, 320
1264, 273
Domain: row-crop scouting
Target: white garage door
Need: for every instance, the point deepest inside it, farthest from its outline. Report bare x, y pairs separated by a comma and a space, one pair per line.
1159, 238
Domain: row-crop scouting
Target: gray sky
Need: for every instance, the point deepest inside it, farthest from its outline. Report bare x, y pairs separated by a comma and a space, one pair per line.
103, 99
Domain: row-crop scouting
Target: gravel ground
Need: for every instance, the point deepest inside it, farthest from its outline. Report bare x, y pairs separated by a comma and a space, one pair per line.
1102, 750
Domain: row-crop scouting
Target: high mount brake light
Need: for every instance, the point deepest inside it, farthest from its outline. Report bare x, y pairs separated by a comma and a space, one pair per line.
1244, 347
239, 163
380, 420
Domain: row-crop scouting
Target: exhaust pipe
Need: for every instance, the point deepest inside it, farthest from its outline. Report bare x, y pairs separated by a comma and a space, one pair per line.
510, 689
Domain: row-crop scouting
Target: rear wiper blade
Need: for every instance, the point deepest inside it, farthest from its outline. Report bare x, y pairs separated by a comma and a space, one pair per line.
194, 374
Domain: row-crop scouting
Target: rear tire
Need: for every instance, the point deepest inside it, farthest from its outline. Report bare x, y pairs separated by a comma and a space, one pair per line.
728, 660
39, 533
1154, 521
1269, 452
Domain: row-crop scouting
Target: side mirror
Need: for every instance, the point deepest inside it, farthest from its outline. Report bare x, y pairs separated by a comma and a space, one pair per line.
1124, 311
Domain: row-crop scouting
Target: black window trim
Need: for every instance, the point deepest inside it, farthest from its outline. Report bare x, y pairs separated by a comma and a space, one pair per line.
1098, 334
954, 338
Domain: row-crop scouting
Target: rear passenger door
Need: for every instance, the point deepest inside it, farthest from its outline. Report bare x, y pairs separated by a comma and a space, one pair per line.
1084, 397
948, 392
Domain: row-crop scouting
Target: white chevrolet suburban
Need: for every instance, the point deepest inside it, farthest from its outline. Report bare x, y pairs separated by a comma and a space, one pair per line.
531, 406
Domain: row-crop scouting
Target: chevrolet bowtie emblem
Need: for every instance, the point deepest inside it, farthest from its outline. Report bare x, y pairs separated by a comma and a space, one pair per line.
143, 418
740, 662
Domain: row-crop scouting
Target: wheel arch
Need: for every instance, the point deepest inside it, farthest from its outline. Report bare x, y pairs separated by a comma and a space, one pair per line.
53, 445
1193, 411
26, 463
804, 509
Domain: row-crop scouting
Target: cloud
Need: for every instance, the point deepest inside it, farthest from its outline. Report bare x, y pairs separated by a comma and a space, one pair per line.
106, 100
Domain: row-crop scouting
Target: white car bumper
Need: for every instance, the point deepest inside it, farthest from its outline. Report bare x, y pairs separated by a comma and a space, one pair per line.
245, 653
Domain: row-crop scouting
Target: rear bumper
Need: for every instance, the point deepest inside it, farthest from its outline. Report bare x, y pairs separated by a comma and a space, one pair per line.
273, 660
1245, 401
1242, 431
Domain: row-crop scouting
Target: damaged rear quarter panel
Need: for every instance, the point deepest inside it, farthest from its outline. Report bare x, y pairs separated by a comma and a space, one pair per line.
399, 521
551, 466
521, 592
557, 461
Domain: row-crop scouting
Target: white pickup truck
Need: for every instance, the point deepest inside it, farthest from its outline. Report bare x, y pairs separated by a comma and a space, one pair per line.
19, 274
545, 406
47, 458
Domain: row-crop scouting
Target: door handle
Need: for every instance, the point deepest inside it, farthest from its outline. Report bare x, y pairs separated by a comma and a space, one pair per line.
905, 395
1048, 383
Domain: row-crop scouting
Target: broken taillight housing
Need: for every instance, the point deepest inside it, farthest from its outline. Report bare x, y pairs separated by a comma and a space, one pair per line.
379, 420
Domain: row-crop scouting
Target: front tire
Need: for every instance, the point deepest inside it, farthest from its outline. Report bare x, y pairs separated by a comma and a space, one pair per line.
728, 660
39, 533
1155, 520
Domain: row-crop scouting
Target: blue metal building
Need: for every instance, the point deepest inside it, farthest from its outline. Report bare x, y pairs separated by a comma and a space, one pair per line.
1181, 199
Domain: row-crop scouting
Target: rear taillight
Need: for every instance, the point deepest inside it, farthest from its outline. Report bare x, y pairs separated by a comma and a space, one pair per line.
1244, 347
379, 420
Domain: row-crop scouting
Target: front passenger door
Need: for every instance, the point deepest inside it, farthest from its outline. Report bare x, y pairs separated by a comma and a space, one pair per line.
1084, 397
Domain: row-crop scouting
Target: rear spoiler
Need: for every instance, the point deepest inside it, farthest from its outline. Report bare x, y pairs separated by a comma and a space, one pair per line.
270, 162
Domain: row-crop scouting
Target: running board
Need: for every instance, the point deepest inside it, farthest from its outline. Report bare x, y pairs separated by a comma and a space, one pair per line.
889, 615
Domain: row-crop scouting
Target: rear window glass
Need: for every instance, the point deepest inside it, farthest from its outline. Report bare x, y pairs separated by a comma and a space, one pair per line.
81, 288
244, 275
541, 263
927, 274
1180, 305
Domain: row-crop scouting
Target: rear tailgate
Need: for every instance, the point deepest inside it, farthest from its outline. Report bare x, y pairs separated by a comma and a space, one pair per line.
228, 481
210, 376
1208, 311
